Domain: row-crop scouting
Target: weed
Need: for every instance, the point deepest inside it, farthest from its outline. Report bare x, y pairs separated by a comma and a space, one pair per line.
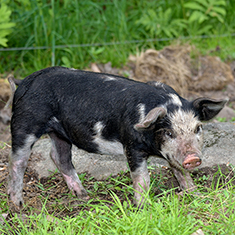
232, 119
202, 180
221, 119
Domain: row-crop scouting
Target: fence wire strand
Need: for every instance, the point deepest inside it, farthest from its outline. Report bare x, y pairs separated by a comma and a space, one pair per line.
114, 43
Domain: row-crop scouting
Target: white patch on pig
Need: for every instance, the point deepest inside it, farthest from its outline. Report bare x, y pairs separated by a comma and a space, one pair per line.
108, 78
72, 69
141, 180
17, 163
184, 122
106, 146
184, 137
158, 84
175, 99
55, 119
141, 170
141, 110
26, 149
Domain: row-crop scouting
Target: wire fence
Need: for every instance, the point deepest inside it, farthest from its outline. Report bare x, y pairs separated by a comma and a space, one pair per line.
114, 43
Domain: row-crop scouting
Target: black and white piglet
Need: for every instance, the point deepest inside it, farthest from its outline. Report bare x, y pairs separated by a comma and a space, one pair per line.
107, 114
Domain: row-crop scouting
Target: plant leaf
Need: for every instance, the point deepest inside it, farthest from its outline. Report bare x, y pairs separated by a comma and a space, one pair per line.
3, 41
195, 16
204, 3
194, 6
219, 10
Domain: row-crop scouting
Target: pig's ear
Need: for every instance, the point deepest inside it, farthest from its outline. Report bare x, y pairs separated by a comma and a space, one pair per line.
206, 108
150, 118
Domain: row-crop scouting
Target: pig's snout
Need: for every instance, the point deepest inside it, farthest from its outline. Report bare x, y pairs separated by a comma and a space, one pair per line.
191, 161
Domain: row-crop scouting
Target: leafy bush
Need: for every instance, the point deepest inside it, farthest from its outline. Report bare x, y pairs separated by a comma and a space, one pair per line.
162, 23
5, 24
203, 15
203, 10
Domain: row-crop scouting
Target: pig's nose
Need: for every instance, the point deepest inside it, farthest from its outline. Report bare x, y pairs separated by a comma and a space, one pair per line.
191, 161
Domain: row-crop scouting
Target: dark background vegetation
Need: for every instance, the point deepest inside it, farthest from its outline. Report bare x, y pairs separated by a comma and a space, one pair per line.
76, 33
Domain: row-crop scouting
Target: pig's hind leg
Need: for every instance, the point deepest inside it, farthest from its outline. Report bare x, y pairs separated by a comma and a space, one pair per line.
62, 157
18, 161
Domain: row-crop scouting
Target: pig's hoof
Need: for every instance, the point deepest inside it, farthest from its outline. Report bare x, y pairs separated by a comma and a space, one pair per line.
81, 194
17, 201
84, 197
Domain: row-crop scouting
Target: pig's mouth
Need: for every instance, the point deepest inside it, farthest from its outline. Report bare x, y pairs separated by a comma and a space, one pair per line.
191, 161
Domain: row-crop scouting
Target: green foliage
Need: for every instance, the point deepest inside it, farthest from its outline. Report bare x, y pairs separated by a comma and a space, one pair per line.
203, 10
162, 24
204, 14
5, 24
43, 23
202, 180
221, 119
224, 119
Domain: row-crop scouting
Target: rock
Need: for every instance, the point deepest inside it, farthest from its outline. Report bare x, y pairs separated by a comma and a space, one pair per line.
198, 232
227, 113
218, 148
96, 165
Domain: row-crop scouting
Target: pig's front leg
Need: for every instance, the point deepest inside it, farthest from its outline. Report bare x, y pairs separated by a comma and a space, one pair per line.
140, 178
184, 179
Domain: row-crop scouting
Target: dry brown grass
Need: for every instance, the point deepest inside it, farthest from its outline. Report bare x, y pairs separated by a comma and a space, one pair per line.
174, 66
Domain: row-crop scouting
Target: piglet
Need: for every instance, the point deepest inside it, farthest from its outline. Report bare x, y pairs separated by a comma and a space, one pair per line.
106, 114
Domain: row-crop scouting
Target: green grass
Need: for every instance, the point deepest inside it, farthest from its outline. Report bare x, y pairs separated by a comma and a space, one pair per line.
167, 213
52, 23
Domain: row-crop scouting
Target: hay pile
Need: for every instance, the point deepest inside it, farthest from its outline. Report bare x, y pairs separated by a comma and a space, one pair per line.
5, 92
173, 66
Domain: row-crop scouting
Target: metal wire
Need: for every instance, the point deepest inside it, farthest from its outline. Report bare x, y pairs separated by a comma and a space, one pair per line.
114, 43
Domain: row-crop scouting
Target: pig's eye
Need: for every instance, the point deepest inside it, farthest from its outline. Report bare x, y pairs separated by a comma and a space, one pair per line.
198, 129
169, 133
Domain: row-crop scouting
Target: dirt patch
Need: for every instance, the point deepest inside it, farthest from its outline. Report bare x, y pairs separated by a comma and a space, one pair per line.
209, 73
5, 135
